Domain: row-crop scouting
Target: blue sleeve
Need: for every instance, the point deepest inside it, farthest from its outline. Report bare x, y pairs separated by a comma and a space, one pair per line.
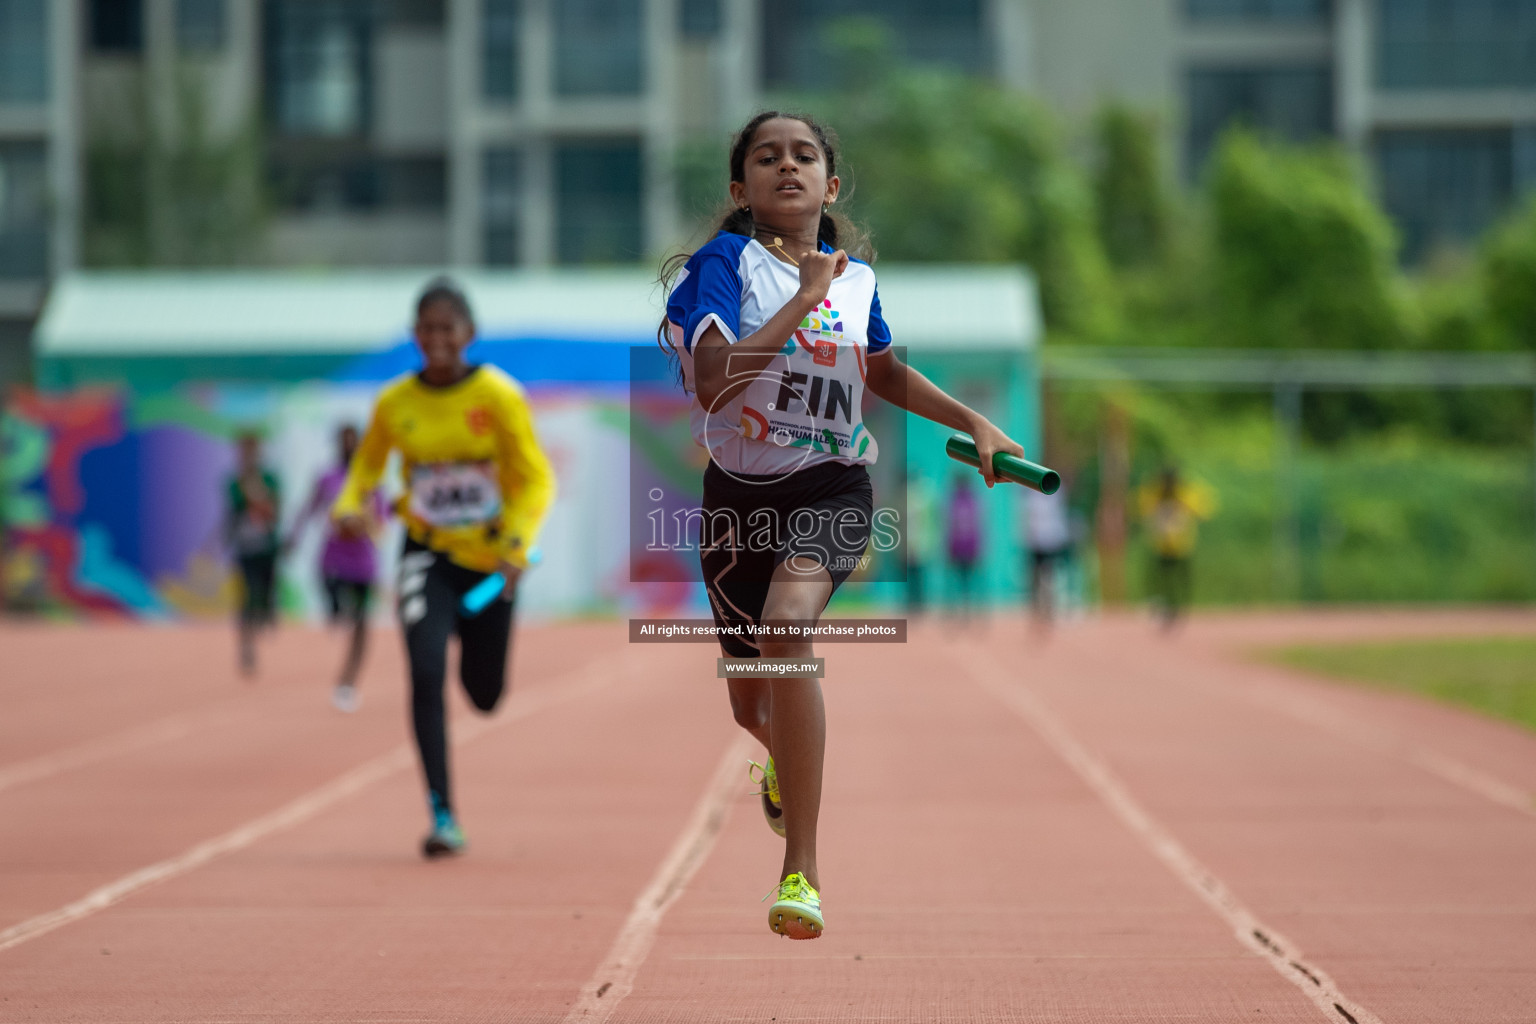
710, 288
879, 334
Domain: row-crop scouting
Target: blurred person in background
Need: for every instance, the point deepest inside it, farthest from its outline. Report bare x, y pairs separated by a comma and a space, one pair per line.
1048, 535
477, 488
250, 528
922, 531
348, 564
1172, 509
963, 543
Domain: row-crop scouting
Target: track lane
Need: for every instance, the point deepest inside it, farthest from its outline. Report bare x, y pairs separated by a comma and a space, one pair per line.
968, 875
1404, 883
1410, 890
337, 918
258, 747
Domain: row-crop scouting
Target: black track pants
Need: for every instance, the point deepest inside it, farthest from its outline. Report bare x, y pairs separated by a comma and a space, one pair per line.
430, 590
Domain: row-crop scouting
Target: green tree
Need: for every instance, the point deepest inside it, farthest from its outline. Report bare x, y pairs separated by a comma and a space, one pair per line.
177, 193
1128, 186
942, 166
1509, 277
1302, 257
947, 167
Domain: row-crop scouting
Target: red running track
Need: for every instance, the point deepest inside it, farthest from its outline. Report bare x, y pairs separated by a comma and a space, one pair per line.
1124, 826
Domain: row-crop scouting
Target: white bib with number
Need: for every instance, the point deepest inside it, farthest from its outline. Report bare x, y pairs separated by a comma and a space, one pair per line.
449, 494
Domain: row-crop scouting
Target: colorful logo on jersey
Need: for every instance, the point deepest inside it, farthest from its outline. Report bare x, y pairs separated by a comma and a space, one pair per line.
754, 427
824, 320
817, 334
479, 420
824, 329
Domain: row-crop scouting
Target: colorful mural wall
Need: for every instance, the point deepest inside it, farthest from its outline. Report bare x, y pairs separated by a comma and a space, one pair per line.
113, 501
111, 496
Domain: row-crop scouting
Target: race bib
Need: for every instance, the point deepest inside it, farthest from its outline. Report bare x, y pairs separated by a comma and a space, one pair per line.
813, 400
455, 493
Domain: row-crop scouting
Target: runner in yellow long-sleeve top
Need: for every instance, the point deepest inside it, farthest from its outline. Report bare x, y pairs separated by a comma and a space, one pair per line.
477, 489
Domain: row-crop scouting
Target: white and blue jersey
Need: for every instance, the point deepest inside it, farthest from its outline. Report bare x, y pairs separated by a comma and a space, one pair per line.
806, 407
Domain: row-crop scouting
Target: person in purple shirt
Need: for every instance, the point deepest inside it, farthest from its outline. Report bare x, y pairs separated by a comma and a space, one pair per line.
348, 565
964, 544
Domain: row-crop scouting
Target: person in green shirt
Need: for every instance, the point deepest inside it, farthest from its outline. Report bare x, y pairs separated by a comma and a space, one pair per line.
254, 501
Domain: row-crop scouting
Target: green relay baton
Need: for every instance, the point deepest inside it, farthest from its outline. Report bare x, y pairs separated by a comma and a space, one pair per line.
1010, 467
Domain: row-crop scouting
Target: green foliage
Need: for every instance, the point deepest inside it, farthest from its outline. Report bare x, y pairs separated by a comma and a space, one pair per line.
948, 167
1452, 309
1383, 518
941, 166
1281, 246
1509, 274
1302, 258
177, 195
1128, 186
930, 177
1380, 519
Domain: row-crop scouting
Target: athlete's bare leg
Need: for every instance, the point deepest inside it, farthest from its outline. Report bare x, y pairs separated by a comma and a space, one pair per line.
357, 644
797, 716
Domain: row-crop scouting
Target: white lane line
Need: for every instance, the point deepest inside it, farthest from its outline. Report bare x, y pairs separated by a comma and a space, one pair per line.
92, 751
1473, 780
615, 976
1317, 712
589, 679
115, 892
1249, 930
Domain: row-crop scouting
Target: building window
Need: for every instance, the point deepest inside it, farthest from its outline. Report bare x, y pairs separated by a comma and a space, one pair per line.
318, 66
954, 34
117, 26
1456, 44
503, 191
360, 181
699, 19
23, 210
599, 47
415, 13
502, 39
597, 201
23, 51
1294, 103
1257, 10
1445, 185
200, 24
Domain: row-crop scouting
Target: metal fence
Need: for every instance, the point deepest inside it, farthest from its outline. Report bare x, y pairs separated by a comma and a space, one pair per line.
1286, 376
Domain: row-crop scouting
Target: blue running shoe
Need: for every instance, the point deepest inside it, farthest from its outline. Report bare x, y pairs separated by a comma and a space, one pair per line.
446, 838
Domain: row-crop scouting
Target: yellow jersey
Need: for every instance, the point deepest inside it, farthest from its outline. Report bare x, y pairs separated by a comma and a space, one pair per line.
1174, 519
477, 483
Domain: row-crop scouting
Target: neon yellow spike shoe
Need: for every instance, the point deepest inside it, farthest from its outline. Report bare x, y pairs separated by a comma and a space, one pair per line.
768, 789
797, 911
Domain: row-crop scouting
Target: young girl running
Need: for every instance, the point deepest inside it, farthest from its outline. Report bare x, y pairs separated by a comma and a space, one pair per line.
477, 488
778, 333
347, 564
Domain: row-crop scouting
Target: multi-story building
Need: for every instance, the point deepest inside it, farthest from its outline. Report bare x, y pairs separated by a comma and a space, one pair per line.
39, 166
1438, 97
499, 132
535, 132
